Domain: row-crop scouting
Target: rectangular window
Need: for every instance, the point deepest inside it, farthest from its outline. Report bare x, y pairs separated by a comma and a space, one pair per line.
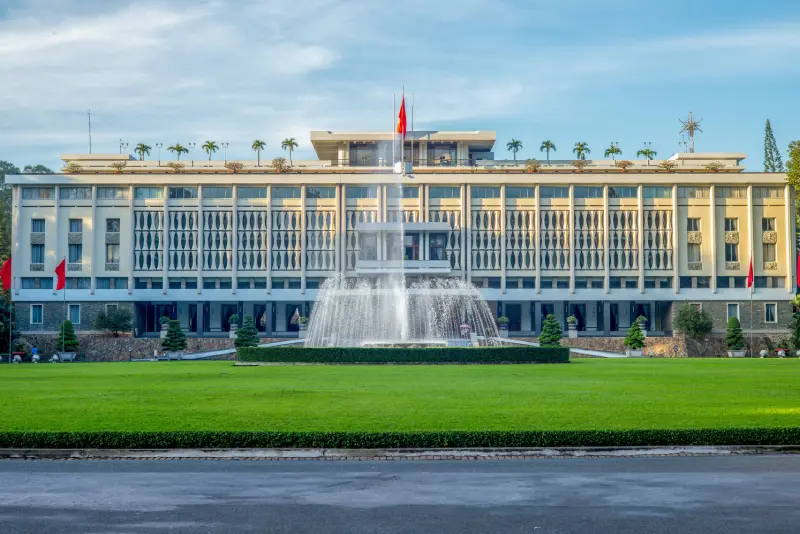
444, 192
407, 191
581, 283
76, 226
686, 282
494, 282
656, 191
516, 191
143, 193
175, 283
528, 283
692, 225
437, 246
739, 282
29, 283
182, 193
38, 193
562, 283
769, 252
78, 283
622, 192
37, 253
703, 282
730, 192
294, 283
191, 283
731, 252
597, 283
37, 225
693, 192
112, 254
286, 192
251, 192
209, 283
113, 193
731, 224
411, 246
74, 313
217, 192
225, 283
362, 191
243, 283
770, 312
37, 283
631, 284
693, 253
768, 192
733, 310
554, 192
37, 313
76, 193
615, 282
768, 224
312, 284
320, 192
76, 253
481, 191
112, 225
369, 247
103, 283
589, 192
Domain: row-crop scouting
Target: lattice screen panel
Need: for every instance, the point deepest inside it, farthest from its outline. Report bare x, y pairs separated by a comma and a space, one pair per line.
320, 240
623, 240
410, 215
486, 237
218, 240
148, 234
520, 240
588, 235
251, 248
658, 254
453, 246
286, 240
352, 246
183, 237
554, 240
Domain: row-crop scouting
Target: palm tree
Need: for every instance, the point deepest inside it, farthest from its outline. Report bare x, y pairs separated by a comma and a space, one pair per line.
613, 150
210, 147
289, 144
547, 146
143, 150
258, 145
581, 149
515, 145
178, 149
647, 153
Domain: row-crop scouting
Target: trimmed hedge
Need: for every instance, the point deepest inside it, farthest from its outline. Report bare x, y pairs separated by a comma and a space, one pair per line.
404, 355
392, 440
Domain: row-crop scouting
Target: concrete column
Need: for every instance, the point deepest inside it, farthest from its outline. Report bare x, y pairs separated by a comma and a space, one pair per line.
200, 311
712, 229
132, 218
607, 318
640, 233
16, 192
751, 233
97, 233
790, 249
58, 246
303, 240
269, 239
337, 224
200, 239
571, 238
165, 244
466, 201
652, 318
676, 279
503, 239
462, 223
269, 312
606, 251
538, 250
235, 238
537, 317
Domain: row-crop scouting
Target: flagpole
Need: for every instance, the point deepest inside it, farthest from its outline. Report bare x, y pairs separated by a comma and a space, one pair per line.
403, 135
751, 320
412, 130
394, 129
63, 348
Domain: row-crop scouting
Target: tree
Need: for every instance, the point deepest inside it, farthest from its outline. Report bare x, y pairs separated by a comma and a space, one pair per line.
794, 331
792, 165
551, 332
143, 150
734, 337
116, 320
647, 154
258, 145
634, 340
247, 335
67, 342
178, 149
37, 169
210, 147
613, 150
289, 144
515, 145
547, 146
175, 339
772, 156
692, 321
581, 149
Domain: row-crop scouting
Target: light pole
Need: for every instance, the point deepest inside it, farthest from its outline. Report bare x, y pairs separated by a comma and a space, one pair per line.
647, 145
122, 146
158, 146
615, 146
225, 149
191, 146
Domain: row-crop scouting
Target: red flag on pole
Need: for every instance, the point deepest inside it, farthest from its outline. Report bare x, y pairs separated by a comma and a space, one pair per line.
61, 273
798, 269
5, 274
750, 276
401, 119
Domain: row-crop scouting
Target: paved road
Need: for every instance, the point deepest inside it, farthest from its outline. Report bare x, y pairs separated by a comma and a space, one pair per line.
636, 495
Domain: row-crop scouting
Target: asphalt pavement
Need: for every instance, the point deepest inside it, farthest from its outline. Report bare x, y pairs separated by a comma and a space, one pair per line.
622, 495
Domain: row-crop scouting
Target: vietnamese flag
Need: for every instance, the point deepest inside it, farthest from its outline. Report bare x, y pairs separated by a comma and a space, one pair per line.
61, 273
798, 269
401, 119
750, 276
5, 274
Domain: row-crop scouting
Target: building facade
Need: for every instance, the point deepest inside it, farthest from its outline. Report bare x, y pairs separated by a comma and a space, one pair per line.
200, 241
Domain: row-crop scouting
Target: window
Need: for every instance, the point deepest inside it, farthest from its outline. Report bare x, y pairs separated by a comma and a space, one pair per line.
251, 192
76, 253
175, 283
554, 192
37, 253
481, 191
225, 283
768, 192
768, 224
730, 192
112, 193
733, 310
622, 192
407, 191
516, 191
369, 247
243, 283
76, 193
631, 283
731, 252
528, 283
112, 225
216, 192
760, 282
156, 283
731, 224
615, 282
444, 192
411, 246
209, 283
703, 282
260, 283
769, 252
103, 283
581, 283
312, 284
770, 312
148, 192
320, 192
597, 283
692, 192
589, 192
78, 283
37, 313
494, 282
112, 254
656, 191
76, 226
294, 283
692, 225
686, 282
74, 313
362, 191
286, 192
37, 225
693, 253
739, 282
182, 193
38, 193
437, 246
190, 283
37, 283
562, 283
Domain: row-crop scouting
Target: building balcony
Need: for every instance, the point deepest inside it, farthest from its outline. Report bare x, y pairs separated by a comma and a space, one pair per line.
409, 267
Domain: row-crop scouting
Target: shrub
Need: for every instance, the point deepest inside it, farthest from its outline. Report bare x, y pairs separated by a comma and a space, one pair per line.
234, 166
533, 165
624, 164
551, 332
714, 166
175, 339
72, 168
503, 320
247, 335
163, 319
280, 164
67, 342
234, 319
116, 320
692, 321
667, 166
579, 165
635, 338
175, 166
572, 320
734, 337
794, 331
118, 166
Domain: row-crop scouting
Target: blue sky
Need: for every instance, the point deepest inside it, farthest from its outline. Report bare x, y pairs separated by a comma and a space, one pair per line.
566, 70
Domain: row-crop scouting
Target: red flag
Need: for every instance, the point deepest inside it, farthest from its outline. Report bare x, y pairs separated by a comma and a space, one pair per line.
401, 120
5, 274
750, 277
61, 273
798, 269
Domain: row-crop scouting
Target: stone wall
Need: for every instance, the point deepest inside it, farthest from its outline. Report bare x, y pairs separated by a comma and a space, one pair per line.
719, 315
53, 315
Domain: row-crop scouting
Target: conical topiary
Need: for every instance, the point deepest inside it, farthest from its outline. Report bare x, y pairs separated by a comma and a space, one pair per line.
247, 335
734, 337
551, 332
67, 342
635, 339
175, 339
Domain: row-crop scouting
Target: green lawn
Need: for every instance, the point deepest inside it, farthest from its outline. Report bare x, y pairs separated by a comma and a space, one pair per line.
586, 394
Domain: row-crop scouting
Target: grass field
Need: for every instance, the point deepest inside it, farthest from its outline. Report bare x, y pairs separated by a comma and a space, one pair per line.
586, 394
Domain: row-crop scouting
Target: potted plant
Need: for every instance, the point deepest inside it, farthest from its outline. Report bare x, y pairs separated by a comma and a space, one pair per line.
233, 321
234, 166
533, 165
164, 322
714, 166
67, 343
551, 332
734, 339
118, 166
667, 166
572, 327
763, 353
623, 165
579, 165
634, 341
502, 323
642, 322
783, 348
175, 341
302, 326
